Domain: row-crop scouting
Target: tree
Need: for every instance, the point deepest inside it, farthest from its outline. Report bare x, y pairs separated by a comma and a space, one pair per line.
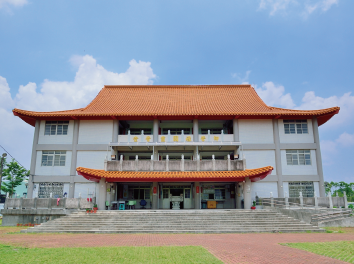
13, 174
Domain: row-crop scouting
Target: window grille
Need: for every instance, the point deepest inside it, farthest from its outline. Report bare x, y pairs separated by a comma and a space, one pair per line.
298, 157
295, 126
187, 193
53, 158
306, 188
56, 127
47, 188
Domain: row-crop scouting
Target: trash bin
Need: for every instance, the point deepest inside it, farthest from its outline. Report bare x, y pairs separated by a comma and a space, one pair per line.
204, 205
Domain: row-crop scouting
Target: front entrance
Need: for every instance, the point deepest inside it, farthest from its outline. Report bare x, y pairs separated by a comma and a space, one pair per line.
183, 193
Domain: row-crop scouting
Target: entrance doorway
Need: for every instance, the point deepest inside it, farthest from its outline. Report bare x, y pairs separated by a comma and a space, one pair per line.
177, 191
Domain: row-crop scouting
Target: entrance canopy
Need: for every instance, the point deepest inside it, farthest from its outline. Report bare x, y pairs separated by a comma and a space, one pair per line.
174, 176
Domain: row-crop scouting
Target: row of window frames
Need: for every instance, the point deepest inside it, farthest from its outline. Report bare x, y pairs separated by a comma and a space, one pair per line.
173, 131
177, 157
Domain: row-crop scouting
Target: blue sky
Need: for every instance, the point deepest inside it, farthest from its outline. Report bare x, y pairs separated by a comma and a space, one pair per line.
297, 54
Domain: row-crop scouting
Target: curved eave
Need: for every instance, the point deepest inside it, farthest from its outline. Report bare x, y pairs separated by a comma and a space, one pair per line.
322, 115
167, 176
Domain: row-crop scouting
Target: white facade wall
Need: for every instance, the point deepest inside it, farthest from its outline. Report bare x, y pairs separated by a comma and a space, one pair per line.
91, 159
296, 138
95, 131
56, 139
85, 190
286, 189
316, 187
263, 189
253, 131
260, 158
299, 169
53, 170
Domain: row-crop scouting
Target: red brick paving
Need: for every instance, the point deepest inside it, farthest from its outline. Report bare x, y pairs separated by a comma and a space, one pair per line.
230, 248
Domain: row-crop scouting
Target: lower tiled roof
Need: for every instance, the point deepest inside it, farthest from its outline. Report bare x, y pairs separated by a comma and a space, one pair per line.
125, 176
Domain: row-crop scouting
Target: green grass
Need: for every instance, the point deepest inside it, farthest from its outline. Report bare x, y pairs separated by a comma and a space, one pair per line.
165, 254
342, 250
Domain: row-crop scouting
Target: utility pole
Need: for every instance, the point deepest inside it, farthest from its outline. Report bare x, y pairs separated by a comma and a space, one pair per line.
1, 167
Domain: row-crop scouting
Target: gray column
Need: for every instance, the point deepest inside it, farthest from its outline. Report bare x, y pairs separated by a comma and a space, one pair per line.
33, 160
278, 165
236, 133
155, 196
101, 197
74, 158
197, 195
195, 130
155, 130
115, 133
316, 138
238, 195
247, 193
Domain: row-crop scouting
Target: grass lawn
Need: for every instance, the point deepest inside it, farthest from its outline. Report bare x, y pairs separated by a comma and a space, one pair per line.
165, 254
342, 250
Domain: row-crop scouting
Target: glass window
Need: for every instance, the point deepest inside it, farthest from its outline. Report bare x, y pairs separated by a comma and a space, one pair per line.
57, 156
187, 193
166, 193
295, 126
56, 128
298, 157
176, 131
219, 194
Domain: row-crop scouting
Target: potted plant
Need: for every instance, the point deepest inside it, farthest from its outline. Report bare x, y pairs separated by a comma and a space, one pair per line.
87, 210
254, 205
95, 208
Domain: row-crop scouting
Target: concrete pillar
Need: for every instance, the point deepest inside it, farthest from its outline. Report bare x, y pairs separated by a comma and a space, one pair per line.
247, 193
239, 195
155, 195
101, 196
330, 200
155, 130
195, 130
33, 160
316, 199
316, 138
236, 130
301, 200
74, 159
197, 195
345, 200
278, 166
115, 134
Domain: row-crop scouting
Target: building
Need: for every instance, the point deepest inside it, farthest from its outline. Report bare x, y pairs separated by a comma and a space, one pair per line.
176, 145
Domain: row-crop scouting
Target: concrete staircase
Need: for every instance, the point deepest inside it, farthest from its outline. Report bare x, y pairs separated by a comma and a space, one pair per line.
173, 221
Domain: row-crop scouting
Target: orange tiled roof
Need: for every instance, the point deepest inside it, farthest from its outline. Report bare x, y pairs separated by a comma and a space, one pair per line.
175, 100
126, 176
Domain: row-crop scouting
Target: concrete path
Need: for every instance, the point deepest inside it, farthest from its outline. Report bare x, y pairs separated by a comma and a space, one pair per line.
230, 248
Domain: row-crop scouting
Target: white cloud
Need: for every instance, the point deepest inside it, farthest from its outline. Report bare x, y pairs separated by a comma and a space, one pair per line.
303, 7
90, 78
346, 140
276, 5
346, 102
243, 80
17, 3
88, 81
273, 95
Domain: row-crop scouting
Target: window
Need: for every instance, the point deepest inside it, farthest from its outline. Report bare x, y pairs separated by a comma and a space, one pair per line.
56, 127
176, 131
137, 131
165, 193
47, 188
306, 188
187, 193
295, 127
212, 131
176, 157
140, 157
219, 194
298, 157
142, 193
53, 158
211, 157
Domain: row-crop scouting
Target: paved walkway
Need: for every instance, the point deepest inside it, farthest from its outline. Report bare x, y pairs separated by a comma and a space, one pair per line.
230, 248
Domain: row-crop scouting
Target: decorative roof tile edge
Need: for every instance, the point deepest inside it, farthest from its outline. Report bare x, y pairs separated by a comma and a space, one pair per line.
174, 176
